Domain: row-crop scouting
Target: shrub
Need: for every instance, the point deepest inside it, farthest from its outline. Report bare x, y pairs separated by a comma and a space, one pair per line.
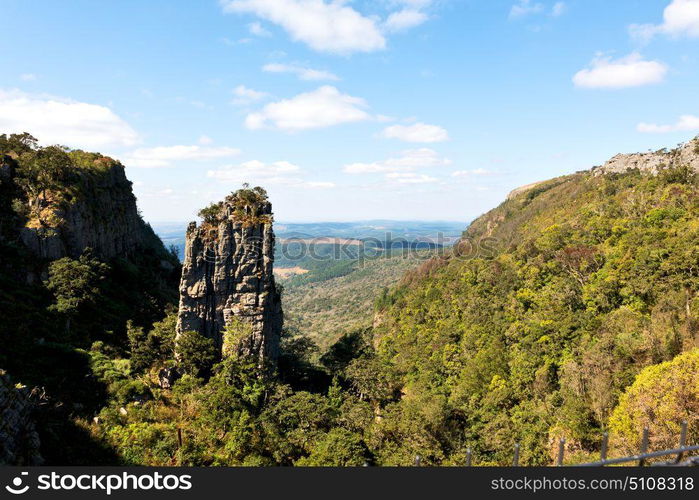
661, 397
197, 354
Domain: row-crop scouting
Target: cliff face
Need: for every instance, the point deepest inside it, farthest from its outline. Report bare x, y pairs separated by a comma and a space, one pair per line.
686, 154
103, 217
227, 279
19, 440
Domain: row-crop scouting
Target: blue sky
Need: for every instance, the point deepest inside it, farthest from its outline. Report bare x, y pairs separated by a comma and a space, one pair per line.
350, 110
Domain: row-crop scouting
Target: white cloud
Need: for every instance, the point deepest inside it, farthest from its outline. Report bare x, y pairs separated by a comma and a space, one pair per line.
257, 30
57, 120
319, 185
332, 27
686, 123
245, 96
302, 72
419, 132
629, 71
27, 77
407, 161
469, 173
277, 173
680, 18
404, 19
205, 140
164, 156
324, 107
558, 9
524, 8
410, 178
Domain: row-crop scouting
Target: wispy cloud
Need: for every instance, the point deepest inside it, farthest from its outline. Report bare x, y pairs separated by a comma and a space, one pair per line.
407, 161
165, 156
404, 20
418, 132
630, 71
471, 173
245, 96
524, 8
332, 27
558, 9
277, 173
680, 18
302, 72
686, 123
258, 30
324, 107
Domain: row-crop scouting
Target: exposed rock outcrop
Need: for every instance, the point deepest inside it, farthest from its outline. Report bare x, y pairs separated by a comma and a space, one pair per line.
19, 440
227, 277
103, 217
686, 154
652, 162
522, 189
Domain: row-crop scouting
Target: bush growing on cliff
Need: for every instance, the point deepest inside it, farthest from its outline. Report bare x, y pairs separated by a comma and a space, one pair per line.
197, 354
247, 204
211, 214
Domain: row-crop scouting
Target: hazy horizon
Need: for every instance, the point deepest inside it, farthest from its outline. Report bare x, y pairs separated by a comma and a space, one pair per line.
411, 109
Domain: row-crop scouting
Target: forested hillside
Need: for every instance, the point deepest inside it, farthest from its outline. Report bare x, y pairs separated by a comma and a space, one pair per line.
77, 263
596, 277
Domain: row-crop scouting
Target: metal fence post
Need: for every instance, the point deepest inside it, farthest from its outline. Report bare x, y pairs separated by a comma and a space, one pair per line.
418, 460
561, 451
644, 447
515, 462
469, 457
683, 440
605, 447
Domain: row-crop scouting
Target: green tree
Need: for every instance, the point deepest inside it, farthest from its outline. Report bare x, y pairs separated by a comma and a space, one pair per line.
75, 284
661, 397
196, 354
16, 144
156, 345
338, 448
41, 171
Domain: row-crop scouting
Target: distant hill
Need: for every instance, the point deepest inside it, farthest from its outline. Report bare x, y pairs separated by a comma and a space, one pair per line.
325, 309
374, 233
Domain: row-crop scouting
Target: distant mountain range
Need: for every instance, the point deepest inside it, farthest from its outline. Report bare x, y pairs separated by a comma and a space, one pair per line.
433, 233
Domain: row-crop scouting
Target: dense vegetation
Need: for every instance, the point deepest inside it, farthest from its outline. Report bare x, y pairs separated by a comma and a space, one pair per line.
593, 280
596, 277
53, 312
584, 298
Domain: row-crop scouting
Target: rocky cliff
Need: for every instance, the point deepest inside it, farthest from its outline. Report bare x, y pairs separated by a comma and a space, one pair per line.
686, 154
227, 278
90, 204
103, 217
19, 440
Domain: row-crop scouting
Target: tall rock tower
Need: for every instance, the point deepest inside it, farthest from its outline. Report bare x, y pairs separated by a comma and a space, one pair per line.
227, 280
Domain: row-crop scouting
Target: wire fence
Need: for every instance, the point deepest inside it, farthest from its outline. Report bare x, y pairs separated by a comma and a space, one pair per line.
683, 455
